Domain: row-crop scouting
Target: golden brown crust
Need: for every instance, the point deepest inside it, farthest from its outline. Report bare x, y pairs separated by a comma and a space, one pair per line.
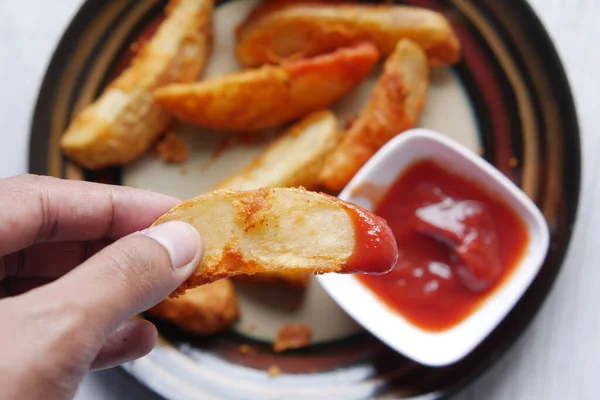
292, 336
299, 231
177, 53
252, 208
268, 6
280, 31
292, 280
125, 120
271, 95
203, 310
394, 107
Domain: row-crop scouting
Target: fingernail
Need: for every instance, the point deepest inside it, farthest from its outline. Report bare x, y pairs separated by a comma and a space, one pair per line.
181, 240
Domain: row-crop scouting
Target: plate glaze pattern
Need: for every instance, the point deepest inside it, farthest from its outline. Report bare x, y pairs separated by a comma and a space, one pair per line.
521, 117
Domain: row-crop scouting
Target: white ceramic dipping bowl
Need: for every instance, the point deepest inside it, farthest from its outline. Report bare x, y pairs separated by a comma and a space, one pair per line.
449, 346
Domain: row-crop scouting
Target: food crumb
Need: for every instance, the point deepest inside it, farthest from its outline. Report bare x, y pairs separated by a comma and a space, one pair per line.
292, 336
513, 162
274, 370
171, 149
246, 349
184, 169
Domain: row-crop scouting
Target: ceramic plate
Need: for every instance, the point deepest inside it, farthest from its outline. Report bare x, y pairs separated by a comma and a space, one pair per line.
508, 99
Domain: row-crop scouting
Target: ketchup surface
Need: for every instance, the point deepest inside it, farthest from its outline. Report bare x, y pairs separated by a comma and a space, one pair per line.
456, 245
376, 251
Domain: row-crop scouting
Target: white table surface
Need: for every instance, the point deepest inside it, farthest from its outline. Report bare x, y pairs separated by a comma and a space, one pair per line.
559, 355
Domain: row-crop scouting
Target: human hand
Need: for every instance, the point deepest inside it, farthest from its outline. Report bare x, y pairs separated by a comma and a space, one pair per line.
52, 331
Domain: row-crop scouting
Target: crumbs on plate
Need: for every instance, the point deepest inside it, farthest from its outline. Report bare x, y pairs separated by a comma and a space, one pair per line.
171, 149
292, 336
274, 371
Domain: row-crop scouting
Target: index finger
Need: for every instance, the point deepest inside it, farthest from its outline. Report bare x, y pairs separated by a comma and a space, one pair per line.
36, 209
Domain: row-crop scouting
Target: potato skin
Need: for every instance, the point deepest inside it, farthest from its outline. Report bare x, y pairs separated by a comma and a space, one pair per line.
394, 107
125, 120
271, 95
203, 310
278, 32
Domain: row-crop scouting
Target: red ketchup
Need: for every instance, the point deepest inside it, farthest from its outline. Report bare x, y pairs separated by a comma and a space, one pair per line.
375, 252
456, 242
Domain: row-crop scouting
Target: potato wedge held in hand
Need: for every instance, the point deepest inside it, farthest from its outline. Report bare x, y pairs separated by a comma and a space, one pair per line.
292, 160
287, 230
271, 95
203, 310
306, 30
394, 107
126, 120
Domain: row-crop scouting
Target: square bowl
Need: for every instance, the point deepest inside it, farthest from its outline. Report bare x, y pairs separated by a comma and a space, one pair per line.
451, 345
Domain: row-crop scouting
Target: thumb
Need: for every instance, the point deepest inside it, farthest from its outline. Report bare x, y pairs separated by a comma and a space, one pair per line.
133, 274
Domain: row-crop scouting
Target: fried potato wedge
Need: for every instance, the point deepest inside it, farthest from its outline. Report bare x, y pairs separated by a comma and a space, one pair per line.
394, 107
271, 95
285, 230
275, 33
292, 160
125, 120
203, 310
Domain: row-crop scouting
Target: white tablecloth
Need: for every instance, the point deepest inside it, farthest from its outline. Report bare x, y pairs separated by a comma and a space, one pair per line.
557, 358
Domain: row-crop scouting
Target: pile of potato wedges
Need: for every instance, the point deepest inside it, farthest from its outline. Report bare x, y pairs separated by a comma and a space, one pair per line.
297, 59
